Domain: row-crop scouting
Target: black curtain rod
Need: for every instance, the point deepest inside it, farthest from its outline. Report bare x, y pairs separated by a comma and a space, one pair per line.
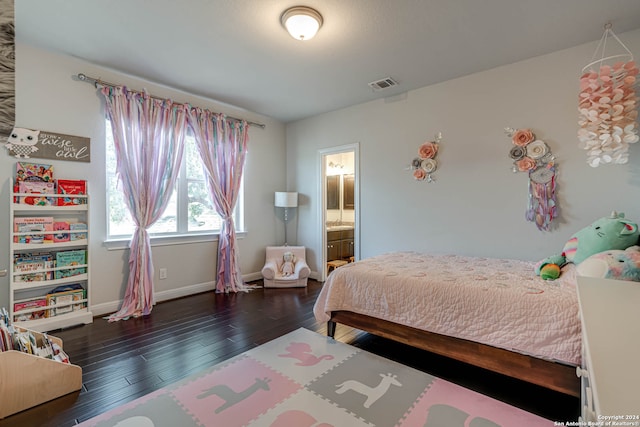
98, 82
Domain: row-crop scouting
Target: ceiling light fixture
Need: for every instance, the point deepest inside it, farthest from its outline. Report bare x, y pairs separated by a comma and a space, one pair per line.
302, 22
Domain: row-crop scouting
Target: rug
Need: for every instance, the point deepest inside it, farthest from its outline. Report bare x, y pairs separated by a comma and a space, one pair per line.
305, 379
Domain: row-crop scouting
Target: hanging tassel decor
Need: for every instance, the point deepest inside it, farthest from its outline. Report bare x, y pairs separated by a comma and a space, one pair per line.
608, 104
534, 156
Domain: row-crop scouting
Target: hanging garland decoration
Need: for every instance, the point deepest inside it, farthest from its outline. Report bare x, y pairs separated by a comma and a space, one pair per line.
608, 105
425, 164
534, 156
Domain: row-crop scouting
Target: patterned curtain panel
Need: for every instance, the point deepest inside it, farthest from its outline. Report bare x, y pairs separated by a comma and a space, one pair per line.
222, 144
148, 135
7, 68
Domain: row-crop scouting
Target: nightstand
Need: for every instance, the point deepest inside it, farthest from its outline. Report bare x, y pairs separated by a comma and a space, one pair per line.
610, 376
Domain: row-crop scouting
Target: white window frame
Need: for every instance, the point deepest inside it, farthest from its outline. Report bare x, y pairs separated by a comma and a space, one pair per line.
182, 235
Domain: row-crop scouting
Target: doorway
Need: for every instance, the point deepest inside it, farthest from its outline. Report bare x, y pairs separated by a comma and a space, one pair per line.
340, 216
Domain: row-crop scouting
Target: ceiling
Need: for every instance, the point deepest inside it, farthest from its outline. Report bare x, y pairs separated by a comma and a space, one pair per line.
237, 52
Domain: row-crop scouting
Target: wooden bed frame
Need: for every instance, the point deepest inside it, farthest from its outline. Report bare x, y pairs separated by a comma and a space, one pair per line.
548, 374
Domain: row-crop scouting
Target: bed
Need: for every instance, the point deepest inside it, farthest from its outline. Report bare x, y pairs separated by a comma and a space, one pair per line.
492, 313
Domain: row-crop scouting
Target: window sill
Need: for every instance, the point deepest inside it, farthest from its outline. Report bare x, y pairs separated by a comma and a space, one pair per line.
183, 239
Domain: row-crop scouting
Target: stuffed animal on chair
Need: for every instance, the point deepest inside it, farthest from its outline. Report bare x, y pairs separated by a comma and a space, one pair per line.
607, 233
287, 264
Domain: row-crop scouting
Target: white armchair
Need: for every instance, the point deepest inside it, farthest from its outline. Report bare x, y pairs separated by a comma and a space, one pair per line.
272, 270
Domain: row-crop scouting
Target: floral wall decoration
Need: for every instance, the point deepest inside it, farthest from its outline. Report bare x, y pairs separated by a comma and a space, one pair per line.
608, 105
534, 157
425, 164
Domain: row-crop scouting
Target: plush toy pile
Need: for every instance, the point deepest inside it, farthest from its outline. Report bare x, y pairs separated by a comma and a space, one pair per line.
613, 264
603, 247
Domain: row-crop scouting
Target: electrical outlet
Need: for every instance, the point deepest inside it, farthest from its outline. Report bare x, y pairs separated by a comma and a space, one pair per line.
163, 273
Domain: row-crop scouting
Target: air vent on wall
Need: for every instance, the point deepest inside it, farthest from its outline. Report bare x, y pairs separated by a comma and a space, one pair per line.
382, 84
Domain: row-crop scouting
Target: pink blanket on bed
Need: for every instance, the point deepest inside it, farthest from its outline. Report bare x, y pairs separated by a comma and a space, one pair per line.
499, 302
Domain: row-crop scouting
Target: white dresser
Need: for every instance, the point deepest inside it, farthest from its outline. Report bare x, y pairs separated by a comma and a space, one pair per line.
610, 313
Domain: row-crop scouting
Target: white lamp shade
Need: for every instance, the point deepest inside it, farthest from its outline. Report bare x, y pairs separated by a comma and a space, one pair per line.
301, 22
286, 199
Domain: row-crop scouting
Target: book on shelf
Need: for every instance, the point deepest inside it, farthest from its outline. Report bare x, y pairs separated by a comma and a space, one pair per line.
37, 191
32, 267
67, 287
26, 171
6, 330
71, 188
63, 298
80, 229
60, 227
6, 342
36, 225
29, 304
70, 259
26, 341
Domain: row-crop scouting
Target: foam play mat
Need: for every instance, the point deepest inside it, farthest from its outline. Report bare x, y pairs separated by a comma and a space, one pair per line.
305, 379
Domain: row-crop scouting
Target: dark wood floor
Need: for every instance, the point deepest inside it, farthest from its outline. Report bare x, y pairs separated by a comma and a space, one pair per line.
125, 360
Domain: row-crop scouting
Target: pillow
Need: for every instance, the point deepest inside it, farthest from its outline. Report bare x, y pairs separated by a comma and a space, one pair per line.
612, 264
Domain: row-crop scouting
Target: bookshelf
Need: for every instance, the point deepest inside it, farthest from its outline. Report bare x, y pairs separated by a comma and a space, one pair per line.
49, 280
27, 380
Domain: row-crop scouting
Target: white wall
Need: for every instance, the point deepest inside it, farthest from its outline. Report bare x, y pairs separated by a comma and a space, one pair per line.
477, 205
47, 98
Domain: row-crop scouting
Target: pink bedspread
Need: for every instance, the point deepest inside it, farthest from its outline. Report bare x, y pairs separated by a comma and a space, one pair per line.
499, 302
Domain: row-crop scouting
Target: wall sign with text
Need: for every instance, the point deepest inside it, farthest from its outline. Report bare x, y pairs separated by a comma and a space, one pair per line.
26, 143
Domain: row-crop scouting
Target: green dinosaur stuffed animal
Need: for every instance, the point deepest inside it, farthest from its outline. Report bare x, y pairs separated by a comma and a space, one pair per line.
612, 232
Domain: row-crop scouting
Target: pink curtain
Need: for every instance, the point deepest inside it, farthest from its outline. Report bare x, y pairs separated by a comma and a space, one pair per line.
222, 144
149, 139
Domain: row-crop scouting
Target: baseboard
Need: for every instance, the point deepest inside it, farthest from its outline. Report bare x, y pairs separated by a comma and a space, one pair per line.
252, 276
113, 306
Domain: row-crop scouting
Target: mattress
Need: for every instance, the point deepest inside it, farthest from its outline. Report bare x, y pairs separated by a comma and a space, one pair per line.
498, 302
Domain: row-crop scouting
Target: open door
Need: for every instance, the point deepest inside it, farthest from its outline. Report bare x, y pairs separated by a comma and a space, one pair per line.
340, 214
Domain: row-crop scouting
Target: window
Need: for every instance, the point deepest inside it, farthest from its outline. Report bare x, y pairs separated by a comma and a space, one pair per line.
190, 210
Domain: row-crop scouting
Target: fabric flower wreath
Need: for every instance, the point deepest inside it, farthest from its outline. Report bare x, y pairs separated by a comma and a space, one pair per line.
425, 164
527, 153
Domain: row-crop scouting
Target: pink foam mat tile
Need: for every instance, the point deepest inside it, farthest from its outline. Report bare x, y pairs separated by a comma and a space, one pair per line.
302, 355
235, 394
455, 406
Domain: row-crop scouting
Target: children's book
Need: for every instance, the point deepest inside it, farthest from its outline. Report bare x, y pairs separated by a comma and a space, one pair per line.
64, 300
60, 236
29, 304
33, 267
67, 287
33, 172
33, 229
71, 189
70, 258
80, 229
37, 188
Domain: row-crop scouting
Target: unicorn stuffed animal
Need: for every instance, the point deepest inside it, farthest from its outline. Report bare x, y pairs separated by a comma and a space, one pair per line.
607, 233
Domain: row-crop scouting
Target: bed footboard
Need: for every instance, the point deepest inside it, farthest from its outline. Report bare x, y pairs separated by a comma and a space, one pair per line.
555, 376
